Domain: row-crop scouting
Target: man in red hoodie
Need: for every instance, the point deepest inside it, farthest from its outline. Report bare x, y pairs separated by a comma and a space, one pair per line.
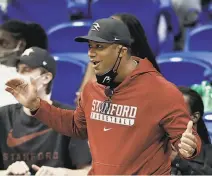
126, 114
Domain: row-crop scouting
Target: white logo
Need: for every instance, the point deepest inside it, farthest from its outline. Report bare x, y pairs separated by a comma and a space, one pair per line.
27, 52
113, 113
96, 27
44, 63
116, 39
107, 78
107, 129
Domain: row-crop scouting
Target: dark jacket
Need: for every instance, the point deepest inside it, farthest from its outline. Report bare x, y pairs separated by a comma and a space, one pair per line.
200, 165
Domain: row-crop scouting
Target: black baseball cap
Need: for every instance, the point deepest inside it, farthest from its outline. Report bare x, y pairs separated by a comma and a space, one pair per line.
108, 30
36, 57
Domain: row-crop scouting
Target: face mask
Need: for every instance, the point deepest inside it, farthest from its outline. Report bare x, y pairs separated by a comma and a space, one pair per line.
108, 78
28, 78
9, 57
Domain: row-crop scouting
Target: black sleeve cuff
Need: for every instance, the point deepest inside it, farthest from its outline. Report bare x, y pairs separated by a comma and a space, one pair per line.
180, 163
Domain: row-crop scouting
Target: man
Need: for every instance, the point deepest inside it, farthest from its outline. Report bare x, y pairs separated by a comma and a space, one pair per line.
125, 114
26, 139
202, 164
15, 37
188, 13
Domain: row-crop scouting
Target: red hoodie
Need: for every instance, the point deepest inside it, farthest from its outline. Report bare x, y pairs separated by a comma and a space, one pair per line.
127, 138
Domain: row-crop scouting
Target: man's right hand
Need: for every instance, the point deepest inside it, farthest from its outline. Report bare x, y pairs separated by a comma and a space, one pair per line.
24, 92
18, 168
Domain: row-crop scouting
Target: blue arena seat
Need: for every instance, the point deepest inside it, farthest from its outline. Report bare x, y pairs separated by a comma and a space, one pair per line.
45, 12
199, 39
61, 37
184, 68
70, 72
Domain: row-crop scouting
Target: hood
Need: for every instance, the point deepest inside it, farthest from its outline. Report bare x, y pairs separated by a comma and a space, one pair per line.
144, 66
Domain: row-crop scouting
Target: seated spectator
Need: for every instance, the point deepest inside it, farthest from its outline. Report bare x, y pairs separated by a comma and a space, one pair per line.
202, 164
27, 139
188, 14
15, 37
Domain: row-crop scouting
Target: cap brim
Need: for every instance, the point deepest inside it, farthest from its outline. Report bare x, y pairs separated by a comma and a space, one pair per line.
27, 62
92, 38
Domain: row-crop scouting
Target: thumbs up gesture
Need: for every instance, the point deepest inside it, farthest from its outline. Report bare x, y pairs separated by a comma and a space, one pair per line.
188, 142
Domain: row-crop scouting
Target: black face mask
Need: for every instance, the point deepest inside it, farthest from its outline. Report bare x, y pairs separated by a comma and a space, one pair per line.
108, 78
9, 57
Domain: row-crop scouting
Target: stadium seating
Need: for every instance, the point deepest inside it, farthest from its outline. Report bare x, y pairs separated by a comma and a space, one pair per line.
185, 68
70, 72
48, 13
141, 9
61, 37
199, 38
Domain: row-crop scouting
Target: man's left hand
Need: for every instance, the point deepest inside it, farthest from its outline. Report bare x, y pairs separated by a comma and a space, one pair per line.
188, 144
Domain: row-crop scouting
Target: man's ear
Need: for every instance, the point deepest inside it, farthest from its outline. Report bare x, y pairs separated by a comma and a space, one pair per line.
124, 50
47, 78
